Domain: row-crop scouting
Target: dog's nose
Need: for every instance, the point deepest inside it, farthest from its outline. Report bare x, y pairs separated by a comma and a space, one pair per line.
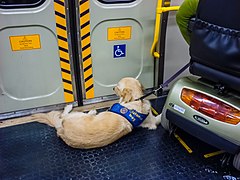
113, 88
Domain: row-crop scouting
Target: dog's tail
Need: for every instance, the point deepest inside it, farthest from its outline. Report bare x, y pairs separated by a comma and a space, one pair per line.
52, 118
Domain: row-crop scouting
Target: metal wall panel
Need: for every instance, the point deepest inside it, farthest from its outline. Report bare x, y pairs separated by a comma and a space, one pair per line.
120, 38
32, 42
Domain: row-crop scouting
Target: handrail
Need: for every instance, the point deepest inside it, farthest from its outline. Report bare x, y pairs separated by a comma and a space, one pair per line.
159, 11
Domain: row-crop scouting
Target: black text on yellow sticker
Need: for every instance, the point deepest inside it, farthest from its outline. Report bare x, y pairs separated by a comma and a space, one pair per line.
25, 42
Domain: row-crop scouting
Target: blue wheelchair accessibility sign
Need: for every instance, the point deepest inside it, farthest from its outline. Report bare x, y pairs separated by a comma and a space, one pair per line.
119, 51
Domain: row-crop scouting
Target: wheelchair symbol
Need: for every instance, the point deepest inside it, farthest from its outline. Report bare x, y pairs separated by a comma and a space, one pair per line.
118, 52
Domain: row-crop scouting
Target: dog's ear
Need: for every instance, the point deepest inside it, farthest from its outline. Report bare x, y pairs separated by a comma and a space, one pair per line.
117, 91
126, 95
142, 87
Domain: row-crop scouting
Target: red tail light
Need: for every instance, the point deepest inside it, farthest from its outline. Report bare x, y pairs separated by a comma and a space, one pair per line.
210, 106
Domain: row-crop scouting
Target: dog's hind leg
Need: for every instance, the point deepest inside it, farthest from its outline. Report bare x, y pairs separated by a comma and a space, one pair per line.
67, 110
92, 112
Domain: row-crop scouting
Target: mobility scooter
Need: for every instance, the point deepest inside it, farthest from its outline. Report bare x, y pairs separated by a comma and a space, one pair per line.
207, 105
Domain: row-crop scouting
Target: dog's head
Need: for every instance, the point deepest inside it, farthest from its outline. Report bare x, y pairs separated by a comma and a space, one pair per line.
129, 89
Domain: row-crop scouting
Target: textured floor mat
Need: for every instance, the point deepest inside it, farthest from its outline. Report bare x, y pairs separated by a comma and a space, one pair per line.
33, 151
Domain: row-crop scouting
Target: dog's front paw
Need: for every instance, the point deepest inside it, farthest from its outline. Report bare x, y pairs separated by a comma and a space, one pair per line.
152, 127
92, 112
149, 126
158, 119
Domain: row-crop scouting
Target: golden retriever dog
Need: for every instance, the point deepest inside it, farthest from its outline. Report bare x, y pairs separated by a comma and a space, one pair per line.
92, 130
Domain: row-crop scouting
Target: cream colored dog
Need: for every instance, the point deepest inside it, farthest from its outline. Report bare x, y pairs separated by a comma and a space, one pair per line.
92, 130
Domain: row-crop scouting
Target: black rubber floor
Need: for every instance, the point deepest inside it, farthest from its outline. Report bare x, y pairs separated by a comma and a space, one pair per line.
33, 151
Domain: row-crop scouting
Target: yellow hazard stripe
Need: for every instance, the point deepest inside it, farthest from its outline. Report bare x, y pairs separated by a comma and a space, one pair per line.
85, 41
213, 154
66, 76
84, 6
183, 143
85, 30
61, 29
62, 43
154, 111
60, 20
86, 47
65, 65
64, 55
61, 32
85, 19
88, 73
59, 6
85, 53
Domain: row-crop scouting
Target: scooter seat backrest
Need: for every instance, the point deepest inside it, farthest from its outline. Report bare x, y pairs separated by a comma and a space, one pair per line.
215, 40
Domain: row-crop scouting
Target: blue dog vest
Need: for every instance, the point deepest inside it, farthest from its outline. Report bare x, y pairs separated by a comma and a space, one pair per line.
134, 117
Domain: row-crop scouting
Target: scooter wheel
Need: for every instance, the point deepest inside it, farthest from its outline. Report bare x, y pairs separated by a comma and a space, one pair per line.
236, 161
165, 122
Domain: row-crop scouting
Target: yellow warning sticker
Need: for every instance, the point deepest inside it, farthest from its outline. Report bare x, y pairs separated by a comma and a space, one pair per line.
119, 33
25, 42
